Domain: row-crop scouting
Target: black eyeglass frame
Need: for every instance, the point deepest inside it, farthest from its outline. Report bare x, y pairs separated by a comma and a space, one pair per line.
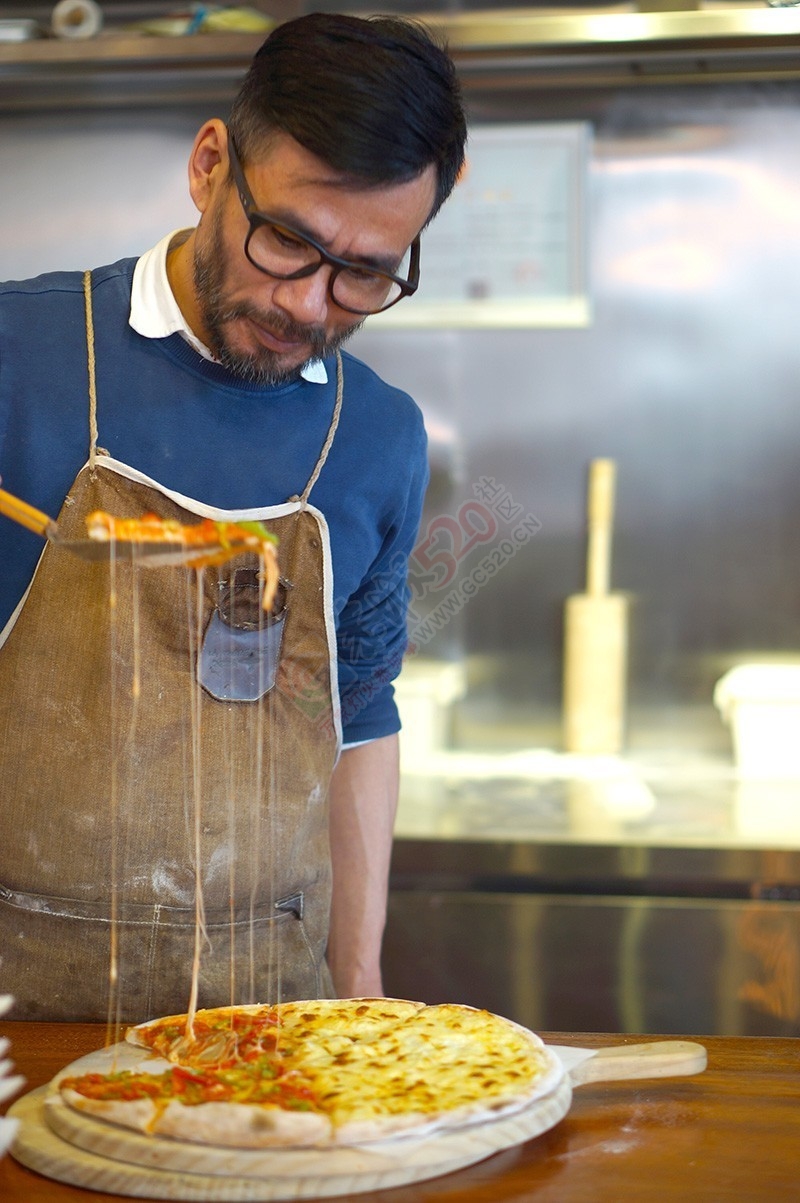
256, 218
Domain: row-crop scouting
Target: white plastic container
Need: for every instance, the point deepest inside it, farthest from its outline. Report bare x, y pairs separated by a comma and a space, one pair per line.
761, 704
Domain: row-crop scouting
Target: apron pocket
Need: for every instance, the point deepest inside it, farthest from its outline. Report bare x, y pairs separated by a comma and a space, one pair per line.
239, 666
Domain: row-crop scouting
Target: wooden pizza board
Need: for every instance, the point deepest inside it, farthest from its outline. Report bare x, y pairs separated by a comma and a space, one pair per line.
86, 1151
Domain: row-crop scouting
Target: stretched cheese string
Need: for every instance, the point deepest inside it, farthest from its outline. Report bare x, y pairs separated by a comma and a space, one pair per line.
113, 1014
114, 1011
264, 792
200, 933
275, 942
255, 792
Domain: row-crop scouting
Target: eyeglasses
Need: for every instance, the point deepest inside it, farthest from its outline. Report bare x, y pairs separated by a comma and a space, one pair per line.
282, 252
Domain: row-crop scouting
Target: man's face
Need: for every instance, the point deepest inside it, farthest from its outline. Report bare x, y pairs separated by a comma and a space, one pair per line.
266, 329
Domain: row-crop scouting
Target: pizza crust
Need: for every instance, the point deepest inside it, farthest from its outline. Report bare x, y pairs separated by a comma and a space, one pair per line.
138, 1114
232, 1125
237, 1125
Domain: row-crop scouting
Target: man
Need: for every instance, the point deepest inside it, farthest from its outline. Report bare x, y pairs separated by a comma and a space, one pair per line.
170, 778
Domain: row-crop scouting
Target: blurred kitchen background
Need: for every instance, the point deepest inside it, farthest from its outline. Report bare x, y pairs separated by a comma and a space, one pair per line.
653, 888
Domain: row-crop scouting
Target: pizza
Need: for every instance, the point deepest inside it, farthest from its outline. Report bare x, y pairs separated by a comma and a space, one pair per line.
321, 1073
206, 542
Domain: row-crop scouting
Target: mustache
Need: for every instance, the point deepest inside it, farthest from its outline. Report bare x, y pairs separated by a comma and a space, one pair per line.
278, 323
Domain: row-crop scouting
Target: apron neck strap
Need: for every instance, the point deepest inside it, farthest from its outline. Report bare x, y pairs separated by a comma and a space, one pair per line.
87, 298
90, 359
326, 446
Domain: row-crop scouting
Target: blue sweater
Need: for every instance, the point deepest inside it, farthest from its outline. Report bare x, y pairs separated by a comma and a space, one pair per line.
196, 429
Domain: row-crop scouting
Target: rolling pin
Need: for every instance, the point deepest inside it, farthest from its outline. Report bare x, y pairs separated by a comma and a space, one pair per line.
596, 634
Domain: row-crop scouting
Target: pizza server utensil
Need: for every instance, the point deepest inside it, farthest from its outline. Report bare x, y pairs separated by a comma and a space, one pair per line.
153, 555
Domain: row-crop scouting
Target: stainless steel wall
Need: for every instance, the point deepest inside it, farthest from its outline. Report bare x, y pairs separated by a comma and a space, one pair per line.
82, 188
590, 938
600, 963
688, 376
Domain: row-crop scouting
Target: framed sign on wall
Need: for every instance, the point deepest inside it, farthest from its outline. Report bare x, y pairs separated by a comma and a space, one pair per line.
509, 248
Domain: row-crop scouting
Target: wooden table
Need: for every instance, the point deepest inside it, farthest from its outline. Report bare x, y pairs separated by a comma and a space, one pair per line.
732, 1132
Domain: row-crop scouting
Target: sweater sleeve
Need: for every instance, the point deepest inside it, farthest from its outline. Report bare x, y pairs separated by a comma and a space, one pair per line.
372, 630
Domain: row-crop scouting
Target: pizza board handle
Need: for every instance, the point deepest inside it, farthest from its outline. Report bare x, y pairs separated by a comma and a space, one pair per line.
659, 1059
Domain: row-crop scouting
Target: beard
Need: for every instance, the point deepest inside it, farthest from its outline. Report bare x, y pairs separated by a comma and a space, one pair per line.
261, 366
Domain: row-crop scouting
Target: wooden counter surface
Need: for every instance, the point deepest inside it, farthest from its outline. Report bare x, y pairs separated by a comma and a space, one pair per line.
730, 1133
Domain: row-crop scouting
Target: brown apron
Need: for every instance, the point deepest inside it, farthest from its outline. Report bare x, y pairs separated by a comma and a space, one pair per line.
120, 772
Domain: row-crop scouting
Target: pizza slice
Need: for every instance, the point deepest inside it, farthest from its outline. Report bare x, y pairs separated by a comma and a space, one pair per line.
206, 542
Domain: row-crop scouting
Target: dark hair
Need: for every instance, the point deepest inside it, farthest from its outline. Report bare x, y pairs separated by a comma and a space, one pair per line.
375, 98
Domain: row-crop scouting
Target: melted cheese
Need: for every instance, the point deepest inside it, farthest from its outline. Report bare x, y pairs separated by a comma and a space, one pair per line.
373, 1065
